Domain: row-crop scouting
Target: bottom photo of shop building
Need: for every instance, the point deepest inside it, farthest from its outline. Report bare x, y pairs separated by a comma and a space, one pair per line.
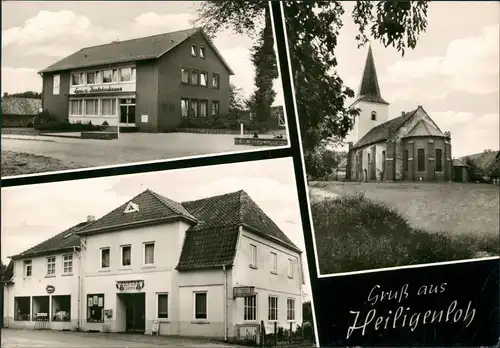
212, 267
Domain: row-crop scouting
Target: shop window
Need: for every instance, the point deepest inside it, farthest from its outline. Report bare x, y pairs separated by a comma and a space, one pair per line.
108, 107
203, 108
421, 160
126, 255
51, 266
439, 160
290, 309
250, 308
202, 51
56, 83
203, 79
185, 75
149, 253
40, 308
68, 264
22, 308
105, 259
28, 268
215, 80
194, 77
76, 107
184, 107
61, 308
200, 301
95, 308
272, 313
162, 310
215, 108
91, 107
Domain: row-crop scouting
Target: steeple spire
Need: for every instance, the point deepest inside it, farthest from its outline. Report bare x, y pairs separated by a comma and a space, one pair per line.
369, 89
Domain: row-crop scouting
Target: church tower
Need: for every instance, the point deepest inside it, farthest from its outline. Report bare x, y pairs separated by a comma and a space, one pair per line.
374, 109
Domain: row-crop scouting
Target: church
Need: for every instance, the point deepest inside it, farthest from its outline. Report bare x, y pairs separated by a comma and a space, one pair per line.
410, 147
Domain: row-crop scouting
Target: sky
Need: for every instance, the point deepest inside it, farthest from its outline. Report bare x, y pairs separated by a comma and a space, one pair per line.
38, 34
453, 72
34, 213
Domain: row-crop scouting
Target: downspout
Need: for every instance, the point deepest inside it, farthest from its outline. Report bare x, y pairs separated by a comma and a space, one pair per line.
79, 287
225, 302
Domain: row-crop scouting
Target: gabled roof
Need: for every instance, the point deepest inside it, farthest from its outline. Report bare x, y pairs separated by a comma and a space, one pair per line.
151, 47
369, 89
458, 163
62, 241
21, 106
212, 242
152, 208
422, 128
383, 131
488, 162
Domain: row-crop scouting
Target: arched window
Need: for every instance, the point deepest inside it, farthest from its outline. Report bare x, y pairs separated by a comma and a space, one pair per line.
439, 160
421, 160
368, 158
374, 115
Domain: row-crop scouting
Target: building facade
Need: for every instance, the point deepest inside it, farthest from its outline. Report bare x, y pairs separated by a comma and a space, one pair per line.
410, 147
207, 268
149, 84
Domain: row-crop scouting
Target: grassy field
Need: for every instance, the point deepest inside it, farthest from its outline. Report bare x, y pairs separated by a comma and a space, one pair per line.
393, 224
20, 163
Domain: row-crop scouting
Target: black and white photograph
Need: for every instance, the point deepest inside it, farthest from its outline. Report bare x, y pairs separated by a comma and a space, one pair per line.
95, 84
406, 170
210, 253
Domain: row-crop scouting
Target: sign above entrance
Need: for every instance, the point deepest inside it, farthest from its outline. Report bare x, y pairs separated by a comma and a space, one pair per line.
130, 285
243, 291
102, 88
50, 289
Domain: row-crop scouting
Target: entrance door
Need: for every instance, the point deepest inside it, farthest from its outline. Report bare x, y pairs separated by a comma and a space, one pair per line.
135, 312
127, 112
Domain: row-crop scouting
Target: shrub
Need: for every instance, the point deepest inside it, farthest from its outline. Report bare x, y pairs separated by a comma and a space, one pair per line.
355, 233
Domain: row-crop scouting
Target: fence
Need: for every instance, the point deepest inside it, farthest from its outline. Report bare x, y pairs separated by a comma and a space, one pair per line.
256, 335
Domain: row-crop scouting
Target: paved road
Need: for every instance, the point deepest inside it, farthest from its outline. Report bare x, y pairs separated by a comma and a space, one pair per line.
130, 148
54, 339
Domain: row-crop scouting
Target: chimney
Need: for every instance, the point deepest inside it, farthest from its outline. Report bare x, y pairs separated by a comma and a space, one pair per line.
420, 107
90, 218
403, 113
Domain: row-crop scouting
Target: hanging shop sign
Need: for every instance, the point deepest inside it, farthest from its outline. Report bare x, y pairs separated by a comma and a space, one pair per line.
243, 291
130, 285
50, 289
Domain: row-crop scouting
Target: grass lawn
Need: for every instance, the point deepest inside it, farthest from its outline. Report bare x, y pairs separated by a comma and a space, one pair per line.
20, 163
375, 225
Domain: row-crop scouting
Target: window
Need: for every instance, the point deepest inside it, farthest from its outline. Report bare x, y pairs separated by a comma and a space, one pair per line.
51, 265
290, 309
68, 264
107, 76
185, 75
374, 116
368, 159
105, 253
56, 83
91, 107
184, 107
76, 107
203, 108
162, 310
250, 308
204, 79
22, 308
194, 77
133, 74
405, 160
290, 268
108, 107
131, 208
193, 50
215, 108
95, 308
273, 308
439, 160
149, 253
92, 77
200, 303
274, 263
194, 108
28, 267
115, 75
421, 160
125, 74
126, 255
215, 80
202, 51
253, 256
61, 308
77, 79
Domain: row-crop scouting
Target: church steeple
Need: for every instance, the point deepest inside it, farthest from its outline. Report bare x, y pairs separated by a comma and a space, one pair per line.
369, 89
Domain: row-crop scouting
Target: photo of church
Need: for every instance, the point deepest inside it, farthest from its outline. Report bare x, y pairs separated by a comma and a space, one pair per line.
410, 147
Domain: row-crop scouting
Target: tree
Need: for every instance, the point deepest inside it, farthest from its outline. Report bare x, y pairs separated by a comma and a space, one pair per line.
236, 99
313, 28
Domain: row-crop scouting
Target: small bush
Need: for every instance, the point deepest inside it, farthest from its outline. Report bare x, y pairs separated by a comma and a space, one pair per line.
354, 233
46, 122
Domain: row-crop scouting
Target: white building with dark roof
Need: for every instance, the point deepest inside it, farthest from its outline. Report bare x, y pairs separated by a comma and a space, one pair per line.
214, 267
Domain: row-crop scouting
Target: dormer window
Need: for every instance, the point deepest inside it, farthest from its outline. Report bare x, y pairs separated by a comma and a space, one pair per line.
193, 50
131, 207
202, 51
374, 115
